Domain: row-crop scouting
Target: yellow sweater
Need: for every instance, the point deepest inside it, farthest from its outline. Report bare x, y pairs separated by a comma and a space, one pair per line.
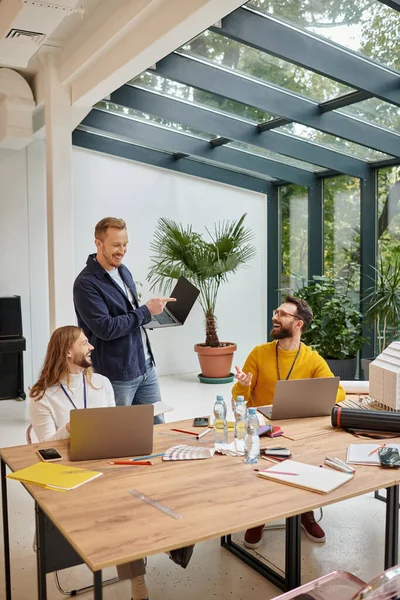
261, 363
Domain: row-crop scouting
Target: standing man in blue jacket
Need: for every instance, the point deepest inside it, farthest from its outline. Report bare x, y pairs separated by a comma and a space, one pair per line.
109, 313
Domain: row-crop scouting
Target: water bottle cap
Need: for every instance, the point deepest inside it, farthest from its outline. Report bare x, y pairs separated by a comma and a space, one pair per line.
219, 397
240, 399
252, 411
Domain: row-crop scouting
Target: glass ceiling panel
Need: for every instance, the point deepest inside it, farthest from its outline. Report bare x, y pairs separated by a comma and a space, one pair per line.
375, 111
122, 138
136, 115
168, 87
234, 169
333, 142
364, 26
231, 55
286, 160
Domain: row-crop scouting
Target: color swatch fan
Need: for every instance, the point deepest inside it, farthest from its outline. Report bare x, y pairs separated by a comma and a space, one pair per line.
184, 452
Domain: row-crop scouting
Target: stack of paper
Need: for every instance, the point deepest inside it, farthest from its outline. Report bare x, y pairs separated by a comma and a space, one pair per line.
235, 448
360, 454
184, 452
308, 477
54, 476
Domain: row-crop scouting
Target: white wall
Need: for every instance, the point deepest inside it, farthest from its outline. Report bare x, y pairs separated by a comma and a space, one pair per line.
105, 185
23, 248
108, 186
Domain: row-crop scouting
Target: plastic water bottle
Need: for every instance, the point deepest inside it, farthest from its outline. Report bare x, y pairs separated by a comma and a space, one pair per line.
220, 422
252, 440
240, 418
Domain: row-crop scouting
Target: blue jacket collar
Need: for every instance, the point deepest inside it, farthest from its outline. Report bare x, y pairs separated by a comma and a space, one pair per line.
96, 268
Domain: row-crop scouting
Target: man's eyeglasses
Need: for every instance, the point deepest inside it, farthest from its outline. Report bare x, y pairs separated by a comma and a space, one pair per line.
278, 312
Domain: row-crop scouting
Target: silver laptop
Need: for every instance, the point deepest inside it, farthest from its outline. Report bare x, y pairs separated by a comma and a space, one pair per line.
176, 313
111, 432
296, 398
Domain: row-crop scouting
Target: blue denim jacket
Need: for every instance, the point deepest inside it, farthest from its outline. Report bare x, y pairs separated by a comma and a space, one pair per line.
110, 322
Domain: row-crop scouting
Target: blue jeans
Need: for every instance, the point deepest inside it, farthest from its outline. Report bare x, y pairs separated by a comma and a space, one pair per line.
141, 390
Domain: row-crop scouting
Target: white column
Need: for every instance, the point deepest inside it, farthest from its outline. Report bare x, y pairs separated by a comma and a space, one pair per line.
59, 194
38, 262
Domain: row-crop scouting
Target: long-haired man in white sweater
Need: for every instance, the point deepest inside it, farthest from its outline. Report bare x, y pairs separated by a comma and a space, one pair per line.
66, 382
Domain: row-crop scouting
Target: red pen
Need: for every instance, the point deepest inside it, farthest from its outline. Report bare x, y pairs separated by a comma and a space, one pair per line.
376, 449
132, 463
183, 431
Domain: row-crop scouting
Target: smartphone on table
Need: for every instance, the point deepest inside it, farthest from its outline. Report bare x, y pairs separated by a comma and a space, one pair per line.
389, 457
49, 454
201, 422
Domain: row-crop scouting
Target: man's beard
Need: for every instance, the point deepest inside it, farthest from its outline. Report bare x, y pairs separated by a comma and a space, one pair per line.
84, 361
281, 333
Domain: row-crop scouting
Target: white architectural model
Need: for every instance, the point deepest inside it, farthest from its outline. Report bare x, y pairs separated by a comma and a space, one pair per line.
384, 377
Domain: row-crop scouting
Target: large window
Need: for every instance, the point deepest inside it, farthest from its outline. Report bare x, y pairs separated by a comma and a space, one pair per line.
388, 215
342, 230
294, 207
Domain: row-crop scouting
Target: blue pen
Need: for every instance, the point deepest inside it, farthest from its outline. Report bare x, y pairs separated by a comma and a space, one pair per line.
146, 457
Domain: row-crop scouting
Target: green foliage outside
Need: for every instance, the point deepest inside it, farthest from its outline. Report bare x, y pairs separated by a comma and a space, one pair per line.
335, 331
383, 303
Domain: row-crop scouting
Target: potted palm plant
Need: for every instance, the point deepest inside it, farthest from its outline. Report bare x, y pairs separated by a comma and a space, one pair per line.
207, 263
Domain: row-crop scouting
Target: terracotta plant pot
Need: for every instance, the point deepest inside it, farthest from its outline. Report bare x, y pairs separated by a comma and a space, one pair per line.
215, 362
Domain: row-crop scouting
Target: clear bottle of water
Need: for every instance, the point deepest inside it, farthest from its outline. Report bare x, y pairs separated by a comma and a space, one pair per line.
252, 440
240, 418
220, 422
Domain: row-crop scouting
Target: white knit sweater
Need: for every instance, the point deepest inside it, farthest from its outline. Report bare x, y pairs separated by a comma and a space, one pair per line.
50, 415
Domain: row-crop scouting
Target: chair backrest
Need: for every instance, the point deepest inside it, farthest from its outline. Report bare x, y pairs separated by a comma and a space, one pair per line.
383, 587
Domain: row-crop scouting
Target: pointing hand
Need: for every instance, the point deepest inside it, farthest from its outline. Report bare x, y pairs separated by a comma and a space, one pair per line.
156, 305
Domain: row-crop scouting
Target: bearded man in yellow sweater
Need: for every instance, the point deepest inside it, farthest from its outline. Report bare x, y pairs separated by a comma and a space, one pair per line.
284, 358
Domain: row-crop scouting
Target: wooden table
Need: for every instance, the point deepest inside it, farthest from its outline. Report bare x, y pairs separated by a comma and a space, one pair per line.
107, 526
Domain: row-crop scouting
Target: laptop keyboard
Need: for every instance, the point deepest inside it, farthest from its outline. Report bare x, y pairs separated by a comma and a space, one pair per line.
163, 318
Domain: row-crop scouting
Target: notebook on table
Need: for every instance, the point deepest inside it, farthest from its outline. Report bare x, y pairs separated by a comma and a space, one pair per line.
360, 454
308, 477
297, 398
176, 313
54, 476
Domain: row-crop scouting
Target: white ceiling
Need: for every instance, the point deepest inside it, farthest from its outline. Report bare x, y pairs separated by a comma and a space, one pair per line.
58, 38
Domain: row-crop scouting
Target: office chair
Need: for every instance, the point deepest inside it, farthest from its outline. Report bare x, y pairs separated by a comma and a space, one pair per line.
60, 553
345, 586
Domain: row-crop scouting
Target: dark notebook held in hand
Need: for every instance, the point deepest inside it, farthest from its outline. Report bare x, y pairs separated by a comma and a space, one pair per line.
176, 313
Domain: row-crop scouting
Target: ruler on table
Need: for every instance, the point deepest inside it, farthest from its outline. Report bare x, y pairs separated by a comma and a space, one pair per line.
156, 504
